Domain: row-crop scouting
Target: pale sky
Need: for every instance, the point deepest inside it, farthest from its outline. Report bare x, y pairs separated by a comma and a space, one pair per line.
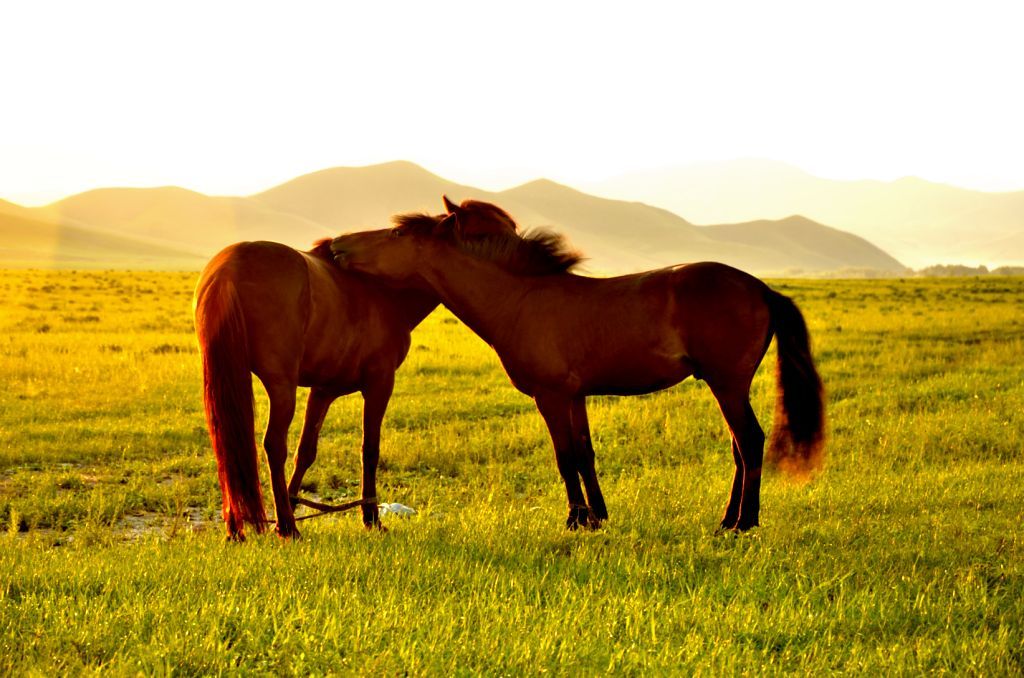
234, 97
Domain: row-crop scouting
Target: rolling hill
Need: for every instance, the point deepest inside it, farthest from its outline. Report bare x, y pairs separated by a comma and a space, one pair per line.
28, 241
918, 222
655, 237
358, 197
174, 227
178, 217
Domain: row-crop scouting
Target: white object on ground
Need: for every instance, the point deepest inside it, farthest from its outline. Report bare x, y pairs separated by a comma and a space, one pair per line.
397, 509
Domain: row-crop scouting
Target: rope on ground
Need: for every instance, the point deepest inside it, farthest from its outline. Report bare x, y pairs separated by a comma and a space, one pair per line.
324, 509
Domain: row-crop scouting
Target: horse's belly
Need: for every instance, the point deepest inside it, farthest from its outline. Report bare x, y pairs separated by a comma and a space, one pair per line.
340, 382
634, 378
610, 378
534, 378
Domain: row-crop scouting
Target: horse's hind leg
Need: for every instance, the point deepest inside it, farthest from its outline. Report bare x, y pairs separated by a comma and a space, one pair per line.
556, 410
316, 409
749, 439
585, 458
732, 511
234, 525
275, 441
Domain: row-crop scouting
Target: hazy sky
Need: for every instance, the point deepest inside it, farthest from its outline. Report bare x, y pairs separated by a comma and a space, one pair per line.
232, 97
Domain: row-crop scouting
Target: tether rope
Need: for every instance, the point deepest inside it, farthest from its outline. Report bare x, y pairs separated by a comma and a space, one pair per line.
324, 509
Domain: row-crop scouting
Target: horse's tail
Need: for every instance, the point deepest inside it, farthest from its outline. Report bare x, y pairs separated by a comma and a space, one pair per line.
798, 434
228, 397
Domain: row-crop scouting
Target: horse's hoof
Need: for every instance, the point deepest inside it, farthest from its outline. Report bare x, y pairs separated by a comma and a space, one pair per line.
579, 516
726, 528
376, 526
289, 534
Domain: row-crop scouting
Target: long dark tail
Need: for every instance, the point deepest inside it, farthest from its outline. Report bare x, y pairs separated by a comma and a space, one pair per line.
228, 396
797, 444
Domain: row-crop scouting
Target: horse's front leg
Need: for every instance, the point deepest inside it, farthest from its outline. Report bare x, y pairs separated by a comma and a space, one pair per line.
556, 410
376, 395
585, 457
316, 409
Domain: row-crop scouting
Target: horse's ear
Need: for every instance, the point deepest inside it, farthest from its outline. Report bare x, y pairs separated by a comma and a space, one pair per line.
448, 227
449, 205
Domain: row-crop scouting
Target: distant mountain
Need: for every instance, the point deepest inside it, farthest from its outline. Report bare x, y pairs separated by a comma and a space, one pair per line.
174, 227
175, 216
796, 237
918, 222
30, 242
605, 229
359, 197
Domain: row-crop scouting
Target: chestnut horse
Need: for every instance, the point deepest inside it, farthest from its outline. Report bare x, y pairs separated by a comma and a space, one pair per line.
562, 337
293, 319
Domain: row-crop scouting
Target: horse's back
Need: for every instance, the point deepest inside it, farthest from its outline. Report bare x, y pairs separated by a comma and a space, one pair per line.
714, 277
265, 274
306, 318
271, 285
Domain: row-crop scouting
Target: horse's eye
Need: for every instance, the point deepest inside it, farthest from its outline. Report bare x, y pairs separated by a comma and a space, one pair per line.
396, 232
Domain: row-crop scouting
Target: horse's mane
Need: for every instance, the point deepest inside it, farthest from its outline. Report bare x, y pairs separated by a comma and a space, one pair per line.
417, 222
322, 249
535, 252
493, 236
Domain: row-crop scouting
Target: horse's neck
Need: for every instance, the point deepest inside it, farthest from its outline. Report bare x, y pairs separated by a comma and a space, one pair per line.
479, 293
414, 306
422, 311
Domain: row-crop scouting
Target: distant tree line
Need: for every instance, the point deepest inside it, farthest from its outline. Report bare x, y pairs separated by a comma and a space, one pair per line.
938, 271
961, 271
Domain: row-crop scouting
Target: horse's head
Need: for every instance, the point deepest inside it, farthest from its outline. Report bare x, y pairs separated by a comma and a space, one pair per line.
389, 253
475, 219
396, 254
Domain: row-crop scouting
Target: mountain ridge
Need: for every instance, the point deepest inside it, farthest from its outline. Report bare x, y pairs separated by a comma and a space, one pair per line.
617, 236
917, 221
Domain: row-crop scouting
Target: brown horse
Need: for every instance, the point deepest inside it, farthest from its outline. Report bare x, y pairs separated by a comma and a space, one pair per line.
293, 319
562, 337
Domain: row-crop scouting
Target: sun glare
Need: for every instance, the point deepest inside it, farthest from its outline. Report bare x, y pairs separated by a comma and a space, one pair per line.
232, 97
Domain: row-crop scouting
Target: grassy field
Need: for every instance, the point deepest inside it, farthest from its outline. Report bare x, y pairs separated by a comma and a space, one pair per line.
904, 557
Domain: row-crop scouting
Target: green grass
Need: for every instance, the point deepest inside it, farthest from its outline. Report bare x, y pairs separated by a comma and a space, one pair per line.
903, 557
